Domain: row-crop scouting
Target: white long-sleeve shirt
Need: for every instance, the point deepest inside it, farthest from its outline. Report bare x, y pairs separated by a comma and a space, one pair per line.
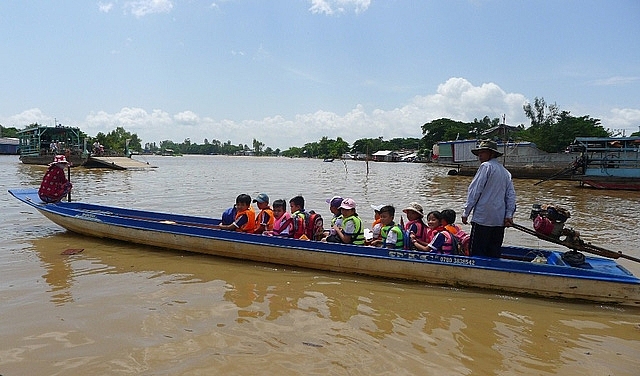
491, 196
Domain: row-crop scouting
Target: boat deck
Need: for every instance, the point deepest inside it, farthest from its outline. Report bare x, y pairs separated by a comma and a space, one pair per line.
116, 163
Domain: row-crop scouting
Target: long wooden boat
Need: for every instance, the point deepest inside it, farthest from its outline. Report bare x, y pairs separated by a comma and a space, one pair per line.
597, 279
39, 144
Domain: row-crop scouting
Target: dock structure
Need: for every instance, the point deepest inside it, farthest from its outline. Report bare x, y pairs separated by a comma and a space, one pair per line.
116, 163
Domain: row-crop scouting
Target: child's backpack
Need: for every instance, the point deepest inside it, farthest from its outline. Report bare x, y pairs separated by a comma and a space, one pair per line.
406, 239
299, 225
314, 226
463, 241
229, 215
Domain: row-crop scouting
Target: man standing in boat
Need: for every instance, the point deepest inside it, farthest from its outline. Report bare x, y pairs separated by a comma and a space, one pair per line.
492, 199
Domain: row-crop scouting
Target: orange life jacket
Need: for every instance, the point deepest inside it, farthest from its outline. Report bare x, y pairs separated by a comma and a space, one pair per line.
250, 226
260, 219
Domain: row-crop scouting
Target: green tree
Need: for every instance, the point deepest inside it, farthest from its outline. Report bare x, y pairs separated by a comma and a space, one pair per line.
8, 132
257, 147
338, 148
446, 129
117, 139
540, 113
367, 146
553, 130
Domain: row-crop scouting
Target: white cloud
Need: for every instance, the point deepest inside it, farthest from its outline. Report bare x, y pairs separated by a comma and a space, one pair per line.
141, 8
330, 7
627, 119
187, 117
105, 7
456, 99
134, 120
30, 116
616, 81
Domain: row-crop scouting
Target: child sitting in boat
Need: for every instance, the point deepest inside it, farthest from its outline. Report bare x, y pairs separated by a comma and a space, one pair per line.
434, 225
264, 220
282, 220
391, 234
441, 239
351, 231
334, 208
245, 220
415, 225
54, 184
377, 225
298, 218
462, 238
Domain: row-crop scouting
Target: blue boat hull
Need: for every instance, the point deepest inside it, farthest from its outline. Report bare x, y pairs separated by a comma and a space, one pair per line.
598, 279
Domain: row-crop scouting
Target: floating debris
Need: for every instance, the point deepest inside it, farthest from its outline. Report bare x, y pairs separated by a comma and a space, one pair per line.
72, 251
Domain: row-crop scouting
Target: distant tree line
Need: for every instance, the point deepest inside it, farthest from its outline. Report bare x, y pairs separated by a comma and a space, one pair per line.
551, 129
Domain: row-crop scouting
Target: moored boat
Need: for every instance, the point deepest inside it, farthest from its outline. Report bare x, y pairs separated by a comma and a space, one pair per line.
522, 159
608, 163
39, 144
519, 271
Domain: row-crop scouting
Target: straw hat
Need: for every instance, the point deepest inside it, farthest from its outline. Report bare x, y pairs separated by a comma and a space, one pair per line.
414, 206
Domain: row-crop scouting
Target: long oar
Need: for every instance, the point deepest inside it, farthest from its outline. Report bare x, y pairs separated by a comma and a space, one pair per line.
563, 172
69, 180
578, 246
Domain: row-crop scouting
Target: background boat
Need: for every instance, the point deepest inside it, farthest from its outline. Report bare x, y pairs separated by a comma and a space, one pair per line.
608, 163
522, 159
39, 144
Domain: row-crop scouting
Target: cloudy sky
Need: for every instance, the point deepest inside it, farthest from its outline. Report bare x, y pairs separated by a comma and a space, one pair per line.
288, 72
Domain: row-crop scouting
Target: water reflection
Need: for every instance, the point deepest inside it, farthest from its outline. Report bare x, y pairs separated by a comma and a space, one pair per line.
275, 309
121, 308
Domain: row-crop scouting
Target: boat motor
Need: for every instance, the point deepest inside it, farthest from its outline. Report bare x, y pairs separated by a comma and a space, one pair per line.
549, 219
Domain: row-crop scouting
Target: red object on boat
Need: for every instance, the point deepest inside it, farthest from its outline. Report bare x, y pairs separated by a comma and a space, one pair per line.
543, 225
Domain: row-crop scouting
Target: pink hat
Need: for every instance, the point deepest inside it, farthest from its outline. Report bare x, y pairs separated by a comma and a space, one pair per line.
59, 159
348, 203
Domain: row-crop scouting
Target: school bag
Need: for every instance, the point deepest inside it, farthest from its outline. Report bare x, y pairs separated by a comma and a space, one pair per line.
229, 215
462, 241
314, 226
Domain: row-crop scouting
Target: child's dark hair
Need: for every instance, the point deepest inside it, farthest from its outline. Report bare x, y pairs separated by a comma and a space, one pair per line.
388, 209
282, 204
298, 200
244, 199
449, 215
434, 213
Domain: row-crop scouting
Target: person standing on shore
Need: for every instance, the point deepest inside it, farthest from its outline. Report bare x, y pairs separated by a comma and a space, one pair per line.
492, 200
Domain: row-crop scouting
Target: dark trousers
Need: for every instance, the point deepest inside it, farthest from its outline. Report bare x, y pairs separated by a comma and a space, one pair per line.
486, 240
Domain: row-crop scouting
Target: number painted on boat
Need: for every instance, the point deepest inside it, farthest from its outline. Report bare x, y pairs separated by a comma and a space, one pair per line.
88, 217
432, 257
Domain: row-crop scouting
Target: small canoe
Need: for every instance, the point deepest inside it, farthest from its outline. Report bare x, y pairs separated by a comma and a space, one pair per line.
522, 270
